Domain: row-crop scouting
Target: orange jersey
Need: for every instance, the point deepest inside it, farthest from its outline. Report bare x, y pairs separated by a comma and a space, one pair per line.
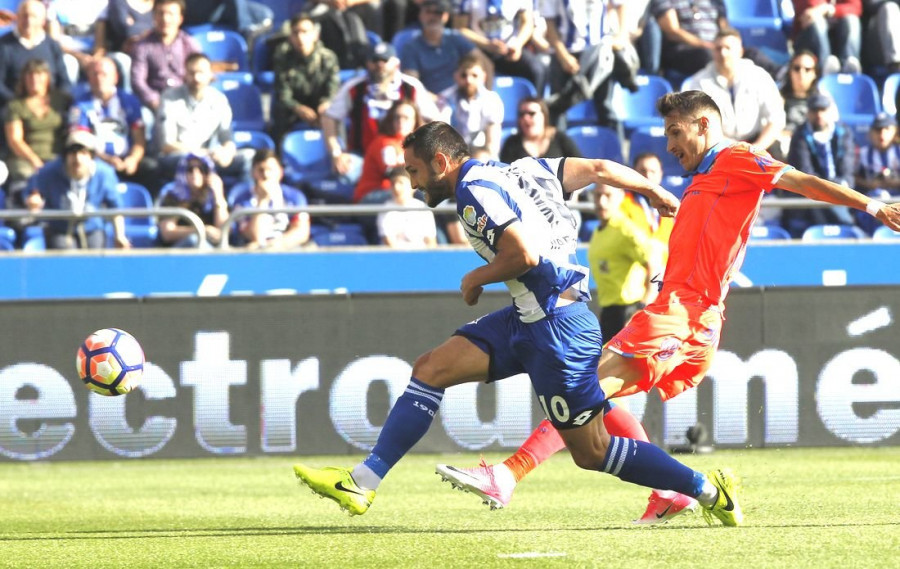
719, 206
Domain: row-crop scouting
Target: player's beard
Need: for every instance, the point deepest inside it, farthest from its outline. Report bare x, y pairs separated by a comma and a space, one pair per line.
437, 190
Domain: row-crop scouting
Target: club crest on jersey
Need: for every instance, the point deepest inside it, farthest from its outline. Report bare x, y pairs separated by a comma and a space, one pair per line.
469, 215
668, 348
482, 221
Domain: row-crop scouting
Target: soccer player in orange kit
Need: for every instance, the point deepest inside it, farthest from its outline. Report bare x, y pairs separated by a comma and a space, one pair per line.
670, 344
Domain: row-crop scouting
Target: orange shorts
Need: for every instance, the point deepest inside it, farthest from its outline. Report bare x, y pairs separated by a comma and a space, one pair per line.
673, 344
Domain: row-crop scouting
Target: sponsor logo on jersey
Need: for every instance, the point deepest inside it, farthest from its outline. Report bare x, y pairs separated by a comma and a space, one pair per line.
482, 221
668, 348
469, 215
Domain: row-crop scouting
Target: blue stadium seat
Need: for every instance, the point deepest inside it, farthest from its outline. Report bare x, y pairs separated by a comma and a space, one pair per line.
857, 100
597, 142
283, 10
653, 140
884, 233
512, 90
827, 232
341, 235
772, 41
141, 236
768, 233
223, 46
581, 114
763, 11
889, 98
373, 37
638, 109
229, 77
261, 64
246, 105
136, 196
307, 165
7, 238
347, 74
35, 243
255, 139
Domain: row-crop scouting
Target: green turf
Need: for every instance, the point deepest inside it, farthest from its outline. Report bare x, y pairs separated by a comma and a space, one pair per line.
803, 507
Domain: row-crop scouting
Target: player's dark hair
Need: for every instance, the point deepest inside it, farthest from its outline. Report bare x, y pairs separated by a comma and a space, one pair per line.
687, 104
431, 138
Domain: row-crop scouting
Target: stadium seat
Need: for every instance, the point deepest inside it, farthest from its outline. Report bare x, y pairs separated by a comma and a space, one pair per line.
889, 97
857, 100
142, 236
638, 109
223, 46
581, 114
347, 74
597, 142
768, 233
340, 235
758, 12
307, 165
283, 10
373, 37
771, 41
245, 77
827, 232
35, 243
885, 233
136, 196
261, 63
7, 238
403, 37
246, 105
512, 90
255, 139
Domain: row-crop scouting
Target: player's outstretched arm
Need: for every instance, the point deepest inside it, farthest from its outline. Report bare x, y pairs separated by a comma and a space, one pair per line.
581, 172
816, 188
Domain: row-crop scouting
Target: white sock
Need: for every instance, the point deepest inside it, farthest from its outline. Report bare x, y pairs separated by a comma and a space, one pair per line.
708, 495
365, 477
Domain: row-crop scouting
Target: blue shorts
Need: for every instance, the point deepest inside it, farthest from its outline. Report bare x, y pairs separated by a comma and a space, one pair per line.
559, 353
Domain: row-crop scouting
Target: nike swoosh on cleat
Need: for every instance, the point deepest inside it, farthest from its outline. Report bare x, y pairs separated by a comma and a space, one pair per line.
729, 505
340, 486
664, 512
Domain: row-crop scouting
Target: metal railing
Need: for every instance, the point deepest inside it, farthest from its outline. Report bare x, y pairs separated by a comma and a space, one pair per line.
196, 222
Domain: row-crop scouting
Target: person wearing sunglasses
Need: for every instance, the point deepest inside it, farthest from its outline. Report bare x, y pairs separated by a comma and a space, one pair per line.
535, 136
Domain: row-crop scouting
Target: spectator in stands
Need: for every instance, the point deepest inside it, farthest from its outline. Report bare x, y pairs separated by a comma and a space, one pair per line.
199, 189
689, 28
196, 118
364, 101
878, 167
623, 259
29, 41
272, 230
124, 22
158, 61
433, 55
344, 27
385, 152
831, 30
501, 29
248, 18
306, 77
79, 183
801, 83
751, 106
114, 117
34, 124
474, 111
406, 229
881, 42
824, 147
586, 53
535, 135
73, 24
638, 208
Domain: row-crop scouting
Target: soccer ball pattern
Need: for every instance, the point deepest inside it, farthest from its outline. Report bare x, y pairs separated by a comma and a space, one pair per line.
110, 362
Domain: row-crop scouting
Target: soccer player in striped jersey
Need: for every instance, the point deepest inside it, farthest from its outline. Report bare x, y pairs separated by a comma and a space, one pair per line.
516, 219
670, 344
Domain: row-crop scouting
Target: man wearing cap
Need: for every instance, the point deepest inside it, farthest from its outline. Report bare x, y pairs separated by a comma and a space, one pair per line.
432, 55
365, 100
824, 147
77, 182
878, 165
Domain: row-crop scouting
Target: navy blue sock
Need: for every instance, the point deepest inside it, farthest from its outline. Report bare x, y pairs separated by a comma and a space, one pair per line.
407, 422
648, 465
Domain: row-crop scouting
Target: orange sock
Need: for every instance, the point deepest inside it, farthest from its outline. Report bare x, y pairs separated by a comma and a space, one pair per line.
543, 443
621, 423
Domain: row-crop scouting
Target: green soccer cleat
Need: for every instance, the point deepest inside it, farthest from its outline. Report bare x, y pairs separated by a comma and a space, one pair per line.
338, 485
726, 508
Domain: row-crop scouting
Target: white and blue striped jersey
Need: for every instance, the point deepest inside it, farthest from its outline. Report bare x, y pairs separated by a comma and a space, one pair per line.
492, 196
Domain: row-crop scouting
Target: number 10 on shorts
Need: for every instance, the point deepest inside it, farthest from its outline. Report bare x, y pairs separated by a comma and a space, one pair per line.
559, 411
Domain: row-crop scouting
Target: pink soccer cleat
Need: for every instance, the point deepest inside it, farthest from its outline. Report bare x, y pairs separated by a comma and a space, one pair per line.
663, 506
493, 483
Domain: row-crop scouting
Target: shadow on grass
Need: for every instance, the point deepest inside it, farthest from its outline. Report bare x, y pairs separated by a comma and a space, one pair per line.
85, 535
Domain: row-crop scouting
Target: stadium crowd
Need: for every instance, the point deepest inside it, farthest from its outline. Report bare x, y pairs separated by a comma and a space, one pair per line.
215, 105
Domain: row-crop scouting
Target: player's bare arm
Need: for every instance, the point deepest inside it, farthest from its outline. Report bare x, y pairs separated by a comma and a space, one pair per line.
515, 256
581, 172
816, 188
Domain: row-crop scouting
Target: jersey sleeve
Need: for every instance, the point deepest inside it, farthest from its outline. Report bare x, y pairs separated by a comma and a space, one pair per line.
484, 210
755, 166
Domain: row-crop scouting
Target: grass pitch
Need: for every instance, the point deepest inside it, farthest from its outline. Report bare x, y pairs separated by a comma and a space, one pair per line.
803, 507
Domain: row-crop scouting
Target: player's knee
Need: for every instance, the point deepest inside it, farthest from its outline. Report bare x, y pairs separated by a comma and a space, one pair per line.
426, 369
590, 456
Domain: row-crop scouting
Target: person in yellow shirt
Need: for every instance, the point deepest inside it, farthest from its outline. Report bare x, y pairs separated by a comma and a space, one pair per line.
623, 258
